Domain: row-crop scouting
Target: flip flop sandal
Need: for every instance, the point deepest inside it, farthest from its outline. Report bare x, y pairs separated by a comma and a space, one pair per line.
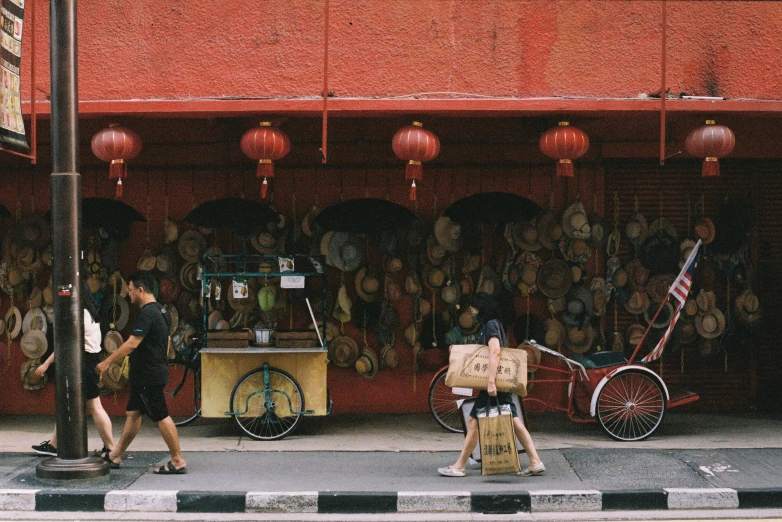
170, 469
100, 452
529, 472
112, 464
451, 472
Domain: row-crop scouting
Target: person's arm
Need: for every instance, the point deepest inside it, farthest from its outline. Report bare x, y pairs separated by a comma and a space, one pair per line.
494, 361
121, 352
45, 366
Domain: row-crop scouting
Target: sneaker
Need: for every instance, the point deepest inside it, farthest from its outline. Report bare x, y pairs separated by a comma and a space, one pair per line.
44, 448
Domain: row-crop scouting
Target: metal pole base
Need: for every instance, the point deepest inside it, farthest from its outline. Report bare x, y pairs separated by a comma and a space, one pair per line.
67, 469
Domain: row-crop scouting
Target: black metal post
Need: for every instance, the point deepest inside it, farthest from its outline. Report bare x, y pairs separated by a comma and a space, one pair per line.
71, 461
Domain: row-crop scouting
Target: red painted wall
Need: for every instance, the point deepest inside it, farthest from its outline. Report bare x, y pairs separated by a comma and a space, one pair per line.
254, 49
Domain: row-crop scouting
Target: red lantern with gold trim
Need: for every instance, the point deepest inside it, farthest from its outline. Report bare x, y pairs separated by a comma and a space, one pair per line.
710, 142
414, 144
265, 144
564, 143
116, 144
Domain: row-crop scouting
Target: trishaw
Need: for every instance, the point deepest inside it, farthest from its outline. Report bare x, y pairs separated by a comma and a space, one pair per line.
627, 399
265, 386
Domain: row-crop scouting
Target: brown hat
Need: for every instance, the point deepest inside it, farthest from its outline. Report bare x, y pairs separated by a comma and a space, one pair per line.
344, 251
549, 230
112, 379
448, 233
554, 278
367, 365
342, 305
389, 359
147, 261
169, 290
635, 333
579, 340
638, 302
112, 341
710, 324
748, 308
489, 282
30, 381
525, 236
367, 285
191, 245
451, 293
659, 286
690, 307
704, 230
637, 229
13, 321
343, 351
392, 264
435, 252
173, 316
170, 231
433, 277
706, 300
411, 334
555, 334
34, 319
663, 319
637, 273
618, 343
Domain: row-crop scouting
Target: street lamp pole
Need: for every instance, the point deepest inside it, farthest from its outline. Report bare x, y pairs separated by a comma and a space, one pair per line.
72, 461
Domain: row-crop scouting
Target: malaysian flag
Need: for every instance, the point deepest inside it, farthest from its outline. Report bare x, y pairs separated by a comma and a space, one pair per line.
679, 290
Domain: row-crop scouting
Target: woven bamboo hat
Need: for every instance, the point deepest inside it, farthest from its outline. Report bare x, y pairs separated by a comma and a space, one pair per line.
389, 358
710, 324
112, 379
637, 228
704, 230
343, 305
343, 351
579, 340
575, 223
525, 236
191, 245
555, 334
554, 278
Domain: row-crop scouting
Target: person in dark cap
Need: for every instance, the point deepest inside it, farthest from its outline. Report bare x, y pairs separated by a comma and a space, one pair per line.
487, 311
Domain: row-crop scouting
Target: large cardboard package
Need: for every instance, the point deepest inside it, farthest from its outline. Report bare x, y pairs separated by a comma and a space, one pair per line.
469, 368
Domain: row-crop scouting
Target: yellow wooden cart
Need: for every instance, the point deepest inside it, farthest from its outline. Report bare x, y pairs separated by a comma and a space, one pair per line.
265, 389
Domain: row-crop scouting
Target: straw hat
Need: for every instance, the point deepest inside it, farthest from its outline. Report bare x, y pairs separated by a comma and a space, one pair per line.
659, 286
169, 290
166, 261
112, 379
710, 324
343, 351
618, 343
448, 233
689, 332
435, 252
170, 231
690, 307
34, 344
637, 273
466, 285
266, 243
525, 236
412, 284
555, 334
342, 305
411, 334
706, 300
424, 307
704, 230
173, 316
367, 285
638, 302
36, 298
451, 293
528, 276
392, 264
13, 321
489, 282
472, 262
344, 251
685, 249
367, 365
191, 245
635, 333
663, 319
30, 381
549, 230
433, 277
748, 308
34, 319
664, 225
579, 340
575, 223
637, 228
389, 359
147, 261
112, 341
579, 309
554, 278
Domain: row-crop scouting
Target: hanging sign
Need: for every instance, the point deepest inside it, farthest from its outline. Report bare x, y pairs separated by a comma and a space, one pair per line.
11, 124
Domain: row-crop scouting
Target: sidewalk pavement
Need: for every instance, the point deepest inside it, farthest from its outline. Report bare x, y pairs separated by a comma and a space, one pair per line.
387, 464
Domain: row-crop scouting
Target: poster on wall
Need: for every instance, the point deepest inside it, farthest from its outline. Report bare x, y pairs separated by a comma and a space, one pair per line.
12, 133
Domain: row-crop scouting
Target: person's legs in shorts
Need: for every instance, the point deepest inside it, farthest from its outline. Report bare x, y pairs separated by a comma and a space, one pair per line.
157, 410
94, 405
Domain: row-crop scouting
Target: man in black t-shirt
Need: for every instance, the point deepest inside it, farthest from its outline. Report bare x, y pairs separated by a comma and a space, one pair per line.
147, 348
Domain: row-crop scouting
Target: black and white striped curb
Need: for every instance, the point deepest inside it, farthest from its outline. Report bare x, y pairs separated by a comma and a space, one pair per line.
388, 502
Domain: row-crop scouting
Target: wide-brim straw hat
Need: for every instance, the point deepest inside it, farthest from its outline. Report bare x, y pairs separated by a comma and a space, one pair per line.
634, 334
389, 358
663, 319
659, 286
345, 251
554, 278
448, 233
191, 245
166, 261
112, 341
690, 308
451, 293
705, 230
576, 250
32, 231
343, 351
710, 324
34, 319
555, 334
367, 365
173, 317
525, 236
435, 252
411, 333
392, 264
598, 238
638, 302
367, 285
579, 340
549, 230
13, 321
748, 308
34, 344
36, 298
706, 300
433, 276
146, 262
575, 223
685, 249
115, 313
489, 282
637, 228
30, 381
637, 273
267, 243
112, 379
578, 309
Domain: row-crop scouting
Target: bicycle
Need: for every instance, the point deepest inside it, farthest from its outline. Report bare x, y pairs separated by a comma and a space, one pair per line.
183, 394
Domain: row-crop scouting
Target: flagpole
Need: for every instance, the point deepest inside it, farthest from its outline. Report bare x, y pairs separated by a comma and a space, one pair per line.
648, 328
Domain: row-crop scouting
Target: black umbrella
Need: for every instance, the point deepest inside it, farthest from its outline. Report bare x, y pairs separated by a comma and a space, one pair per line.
242, 216
364, 215
492, 207
107, 213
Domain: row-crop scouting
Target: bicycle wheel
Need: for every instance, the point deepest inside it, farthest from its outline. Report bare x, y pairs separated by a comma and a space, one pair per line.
183, 393
267, 410
442, 404
630, 406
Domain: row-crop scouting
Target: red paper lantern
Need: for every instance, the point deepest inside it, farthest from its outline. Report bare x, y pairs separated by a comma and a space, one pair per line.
710, 142
116, 144
415, 145
265, 144
564, 143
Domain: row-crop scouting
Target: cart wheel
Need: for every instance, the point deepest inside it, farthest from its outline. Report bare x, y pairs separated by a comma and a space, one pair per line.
630, 406
442, 404
183, 393
267, 411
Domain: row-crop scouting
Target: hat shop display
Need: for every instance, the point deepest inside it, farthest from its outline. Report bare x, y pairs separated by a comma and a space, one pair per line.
638, 302
710, 324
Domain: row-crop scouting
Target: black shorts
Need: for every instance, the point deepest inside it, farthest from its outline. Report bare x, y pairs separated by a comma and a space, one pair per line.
482, 401
89, 378
149, 400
